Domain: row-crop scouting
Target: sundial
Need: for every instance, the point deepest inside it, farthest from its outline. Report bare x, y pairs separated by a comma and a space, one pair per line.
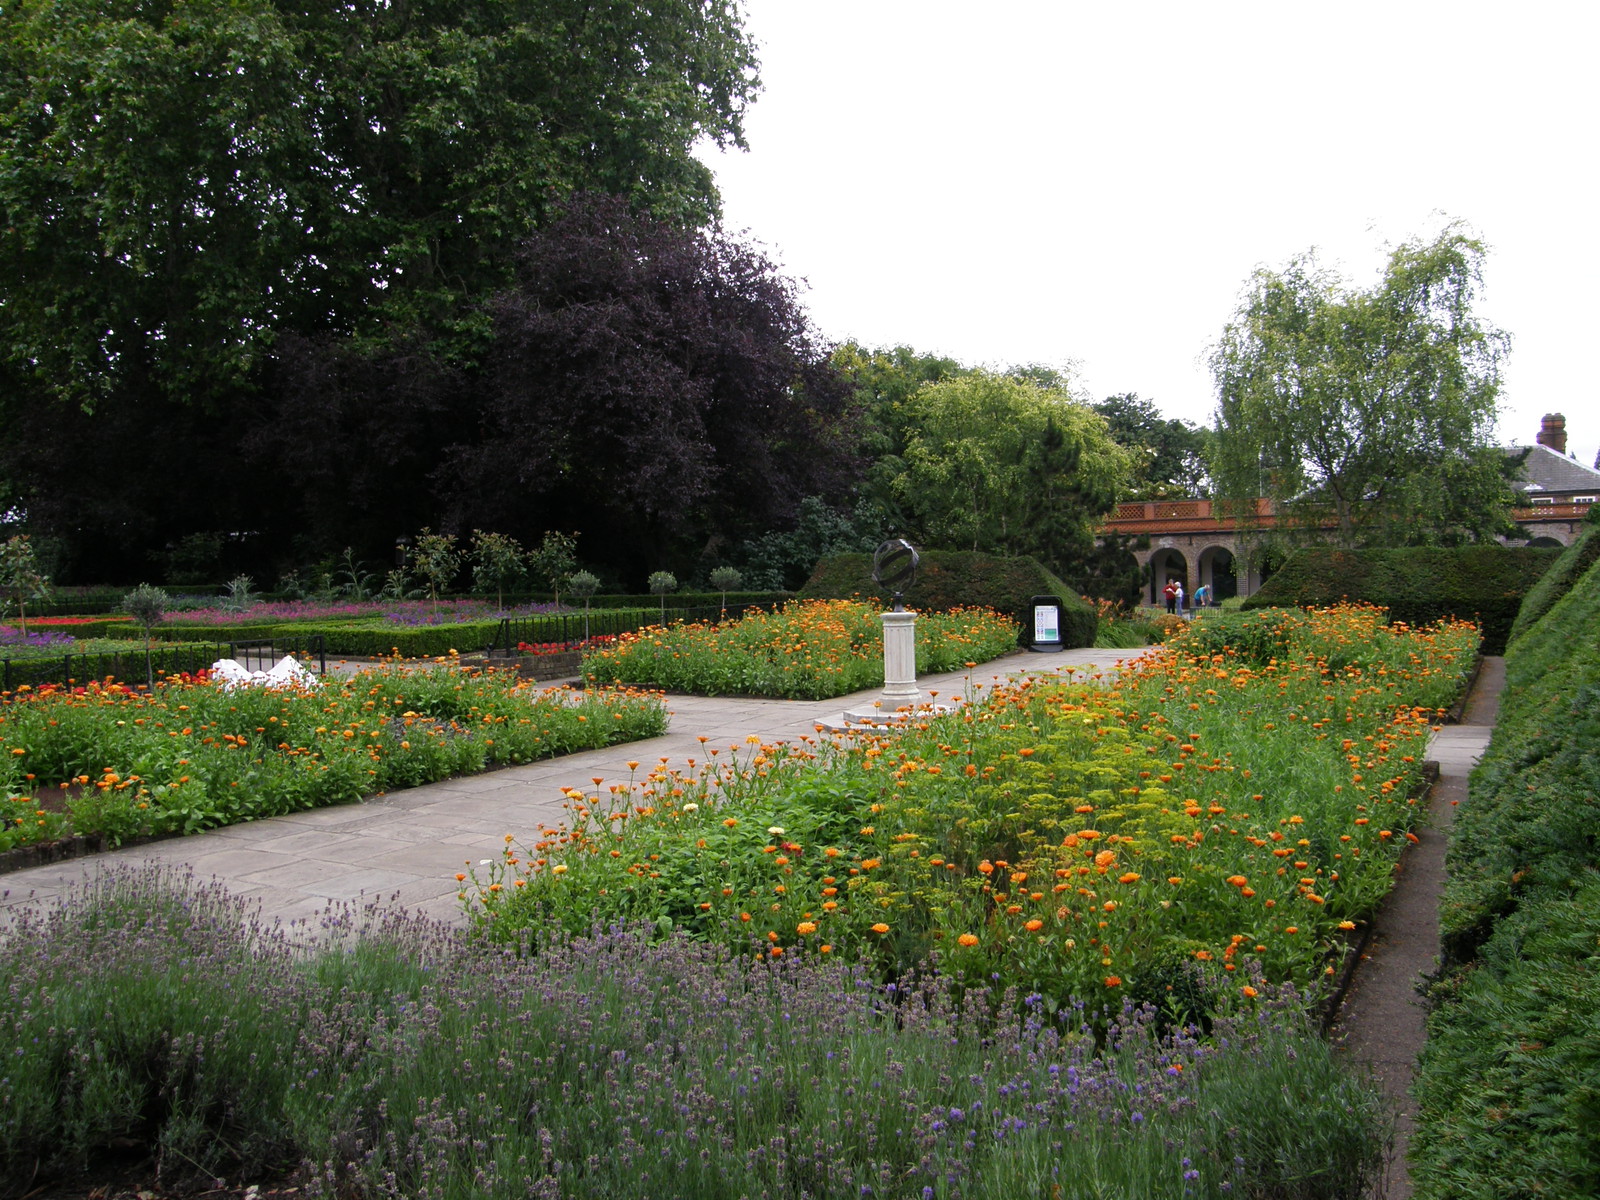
894, 566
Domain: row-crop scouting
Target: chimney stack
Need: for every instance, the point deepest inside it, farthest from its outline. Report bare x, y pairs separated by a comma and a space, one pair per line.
1553, 432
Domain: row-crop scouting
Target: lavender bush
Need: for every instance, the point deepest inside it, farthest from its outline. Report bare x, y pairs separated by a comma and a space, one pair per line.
398, 1058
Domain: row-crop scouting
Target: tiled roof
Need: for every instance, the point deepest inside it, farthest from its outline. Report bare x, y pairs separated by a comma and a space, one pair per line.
1554, 472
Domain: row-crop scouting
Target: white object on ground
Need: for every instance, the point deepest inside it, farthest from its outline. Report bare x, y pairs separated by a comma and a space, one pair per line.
287, 673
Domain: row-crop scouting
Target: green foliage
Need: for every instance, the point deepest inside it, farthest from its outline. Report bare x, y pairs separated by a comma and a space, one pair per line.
1370, 410
434, 560
21, 580
1507, 1095
497, 560
395, 156
949, 579
807, 650
783, 558
194, 756
1003, 466
1169, 454
1418, 585
241, 594
147, 605
1558, 580
555, 560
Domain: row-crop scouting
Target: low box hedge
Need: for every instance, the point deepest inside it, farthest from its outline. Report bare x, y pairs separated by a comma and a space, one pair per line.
378, 639
1418, 585
949, 579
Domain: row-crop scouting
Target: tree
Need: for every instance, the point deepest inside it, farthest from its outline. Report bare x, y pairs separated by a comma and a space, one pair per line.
435, 561
1169, 454
1370, 411
179, 184
998, 464
553, 562
652, 386
496, 561
21, 579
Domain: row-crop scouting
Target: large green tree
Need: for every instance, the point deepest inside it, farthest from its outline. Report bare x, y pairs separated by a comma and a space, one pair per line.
181, 182
1169, 454
996, 463
1369, 411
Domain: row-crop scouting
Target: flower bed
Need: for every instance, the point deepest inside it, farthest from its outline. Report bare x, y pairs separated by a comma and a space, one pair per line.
1201, 827
115, 763
808, 649
404, 1060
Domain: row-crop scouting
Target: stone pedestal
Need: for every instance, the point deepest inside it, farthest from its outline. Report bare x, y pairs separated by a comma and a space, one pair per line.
900, 661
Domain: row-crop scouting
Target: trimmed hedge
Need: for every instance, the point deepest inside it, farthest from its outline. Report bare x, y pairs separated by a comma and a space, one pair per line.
1418, 585
949, 579
1558, 580
1509, 1086
378, 639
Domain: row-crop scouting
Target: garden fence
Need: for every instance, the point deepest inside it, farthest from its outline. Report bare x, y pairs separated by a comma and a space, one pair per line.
135, 666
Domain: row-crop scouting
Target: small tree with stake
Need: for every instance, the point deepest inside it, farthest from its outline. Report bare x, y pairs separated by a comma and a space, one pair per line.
662, 582
553, 561
584, 585
20, 577
723, 579
434, 558
147, 605
497, 559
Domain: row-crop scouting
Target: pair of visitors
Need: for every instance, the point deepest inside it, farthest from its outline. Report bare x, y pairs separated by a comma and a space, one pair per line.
1171, 593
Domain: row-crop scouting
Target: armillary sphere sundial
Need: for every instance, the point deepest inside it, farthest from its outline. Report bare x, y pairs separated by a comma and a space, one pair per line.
894, 566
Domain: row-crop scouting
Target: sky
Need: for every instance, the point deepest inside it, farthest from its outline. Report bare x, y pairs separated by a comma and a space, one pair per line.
1091, 185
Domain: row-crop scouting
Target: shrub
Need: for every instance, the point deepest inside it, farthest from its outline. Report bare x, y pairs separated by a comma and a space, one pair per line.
1419, 585
1507, 1088
948, 579
1558, 580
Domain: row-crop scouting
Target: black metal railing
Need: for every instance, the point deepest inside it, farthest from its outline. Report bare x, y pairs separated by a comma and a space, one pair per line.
261, 654
156, 662
578, 628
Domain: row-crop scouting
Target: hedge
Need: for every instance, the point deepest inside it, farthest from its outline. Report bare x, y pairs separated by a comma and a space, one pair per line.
1418, 585
1509, 1085
1558, 580
949, 579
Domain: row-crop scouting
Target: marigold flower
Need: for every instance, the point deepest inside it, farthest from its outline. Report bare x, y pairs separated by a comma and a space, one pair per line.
968, 939
805, 927
880, 927
1248, 992
1034, 925
1129, 877
1113, 981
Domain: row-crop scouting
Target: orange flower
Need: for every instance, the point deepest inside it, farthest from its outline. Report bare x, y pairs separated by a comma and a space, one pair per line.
805, 927
1113, 981
880, 927
1130, 877
1248, 992
1034, 925
968, 939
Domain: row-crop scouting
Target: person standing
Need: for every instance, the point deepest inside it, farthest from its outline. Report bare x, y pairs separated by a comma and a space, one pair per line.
1179, 599
1171, 593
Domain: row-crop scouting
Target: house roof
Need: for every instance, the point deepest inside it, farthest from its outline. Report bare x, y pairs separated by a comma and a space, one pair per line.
1547, 471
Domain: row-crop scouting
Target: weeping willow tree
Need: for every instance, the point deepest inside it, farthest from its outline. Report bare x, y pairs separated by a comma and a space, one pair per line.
1370, 412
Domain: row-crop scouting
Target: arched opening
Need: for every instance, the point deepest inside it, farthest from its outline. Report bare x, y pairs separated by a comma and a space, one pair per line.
1218, 573
1545, 541
1167, 564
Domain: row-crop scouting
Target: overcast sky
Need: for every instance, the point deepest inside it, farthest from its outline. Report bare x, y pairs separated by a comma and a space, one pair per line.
1091, 185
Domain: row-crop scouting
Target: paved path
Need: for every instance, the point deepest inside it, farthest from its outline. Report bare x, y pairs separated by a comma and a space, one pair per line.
1383, 1019
406, 847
